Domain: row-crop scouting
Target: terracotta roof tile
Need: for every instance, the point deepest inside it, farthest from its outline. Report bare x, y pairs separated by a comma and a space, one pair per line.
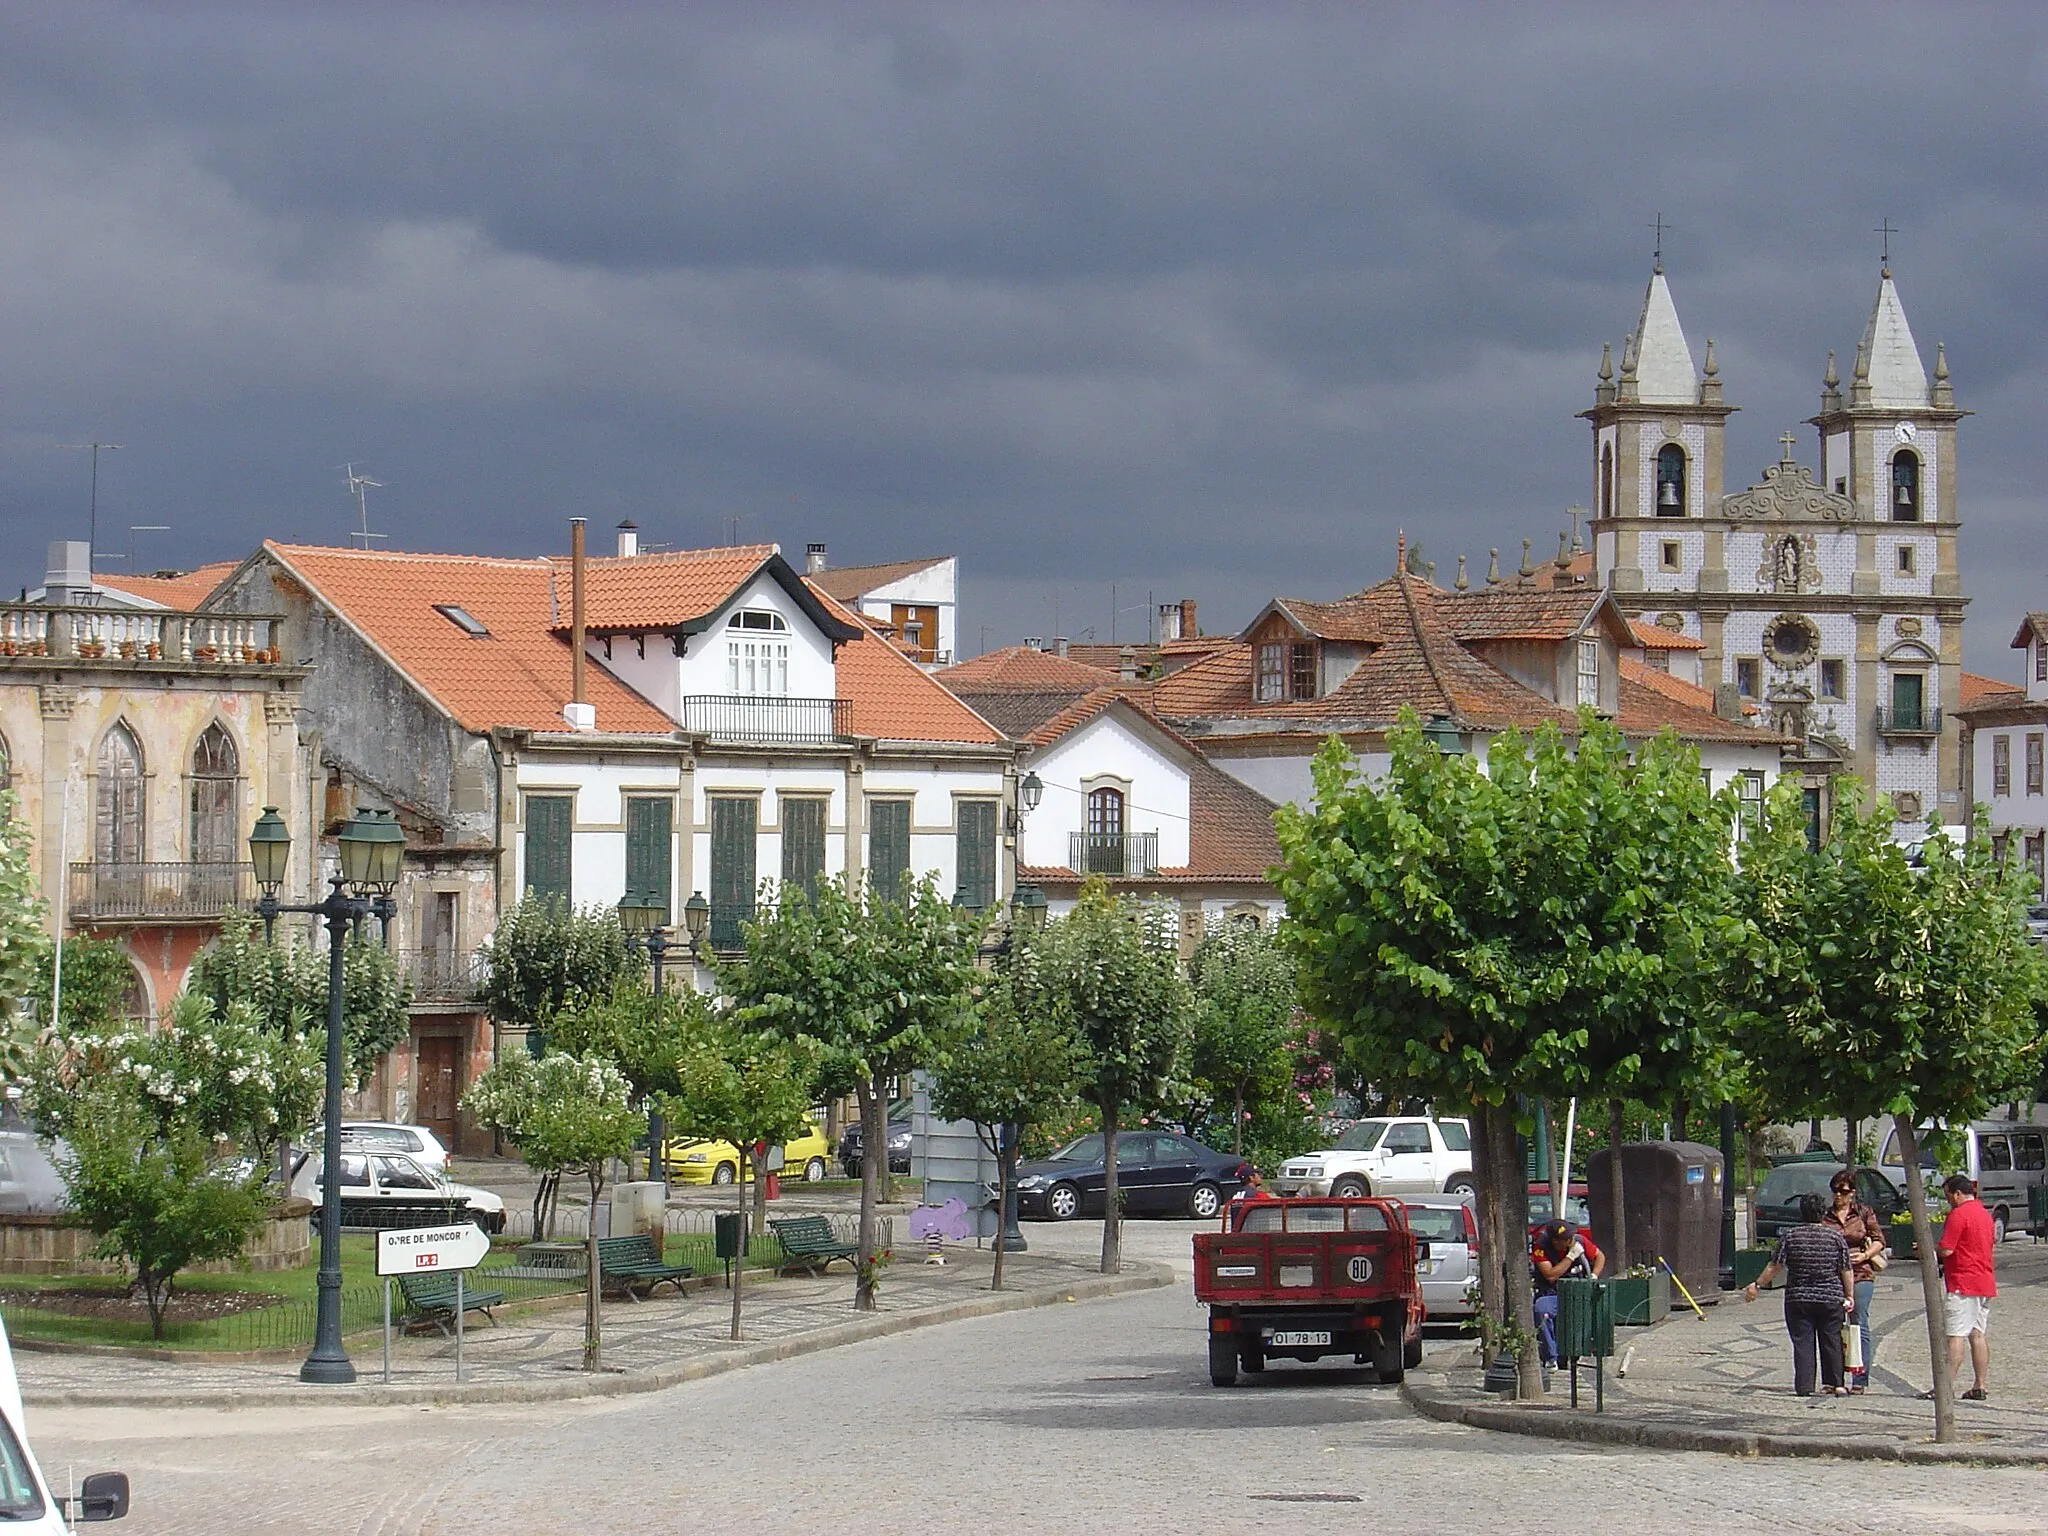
1351, 620
660, 590
849, 583
1510, 613
1578, 572
1978, 689
1018, 712
1655, 637
517, 675
182, 592
892, 698
1652, 700
1023, 667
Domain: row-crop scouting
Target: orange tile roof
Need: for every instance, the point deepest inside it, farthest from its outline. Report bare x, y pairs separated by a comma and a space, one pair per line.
1545, 576
1348, 619
182, 592
657, 591
1655, 637
848, 583
1978, 689
516, 676
1651, 700
1518, 613
891, 697
1023, 667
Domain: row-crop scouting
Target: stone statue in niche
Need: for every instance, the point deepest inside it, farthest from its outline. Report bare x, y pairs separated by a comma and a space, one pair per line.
1788, 565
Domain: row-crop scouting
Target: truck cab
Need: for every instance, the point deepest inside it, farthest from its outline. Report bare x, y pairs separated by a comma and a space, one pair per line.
26, 1502
1306, 1279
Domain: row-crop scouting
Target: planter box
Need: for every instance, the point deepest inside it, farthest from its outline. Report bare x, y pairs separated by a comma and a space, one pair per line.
1749, 1263
1641, 1300
1901, 1239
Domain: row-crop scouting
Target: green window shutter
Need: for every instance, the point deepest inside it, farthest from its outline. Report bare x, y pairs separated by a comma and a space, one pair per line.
549, 820
974, 855
803, 843
733, 823
650, 849
888, 846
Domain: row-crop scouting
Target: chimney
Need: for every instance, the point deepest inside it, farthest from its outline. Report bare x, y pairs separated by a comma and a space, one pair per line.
1188, 631
1059, 646
629, 539
1033, 643
580, 715
1127, 664
1169, 622
69, 578
814, 559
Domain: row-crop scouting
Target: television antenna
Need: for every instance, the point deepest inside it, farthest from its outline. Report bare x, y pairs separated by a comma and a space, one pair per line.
357, 485
134, 529
92, 526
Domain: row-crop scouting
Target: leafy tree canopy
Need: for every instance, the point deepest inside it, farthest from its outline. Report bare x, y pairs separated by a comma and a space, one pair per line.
286, 983
544, 956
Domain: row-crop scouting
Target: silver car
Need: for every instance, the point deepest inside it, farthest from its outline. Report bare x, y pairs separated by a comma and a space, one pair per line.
1449, 1274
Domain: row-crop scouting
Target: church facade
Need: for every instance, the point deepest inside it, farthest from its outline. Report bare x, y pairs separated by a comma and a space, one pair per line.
1827, 602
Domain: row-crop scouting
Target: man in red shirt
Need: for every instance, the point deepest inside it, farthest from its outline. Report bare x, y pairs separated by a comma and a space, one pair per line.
1965, 1250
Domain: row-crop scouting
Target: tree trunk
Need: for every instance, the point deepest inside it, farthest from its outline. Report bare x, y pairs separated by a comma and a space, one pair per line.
739, 1263
999, 1140
874, 1151
1493, 1253
593, 1280
153, 1297
758, 1222
1237, 1123
1497, 1126
1112, 1215
1681, 1116
1617, 1261
1930, 1282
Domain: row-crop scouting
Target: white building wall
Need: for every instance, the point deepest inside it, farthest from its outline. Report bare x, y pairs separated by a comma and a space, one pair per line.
1891, 581
1283, 780
1107, 749
811, 672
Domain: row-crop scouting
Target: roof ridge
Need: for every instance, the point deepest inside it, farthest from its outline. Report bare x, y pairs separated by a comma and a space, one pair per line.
1422, 642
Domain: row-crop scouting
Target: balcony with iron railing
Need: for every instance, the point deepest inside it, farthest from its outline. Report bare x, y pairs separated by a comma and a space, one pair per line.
1895, 721
767, 721
151, 637
159, 892
1119, 855
441, 975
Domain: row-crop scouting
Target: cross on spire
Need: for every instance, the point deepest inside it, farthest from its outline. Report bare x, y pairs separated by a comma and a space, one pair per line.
1886, 229
1657, 256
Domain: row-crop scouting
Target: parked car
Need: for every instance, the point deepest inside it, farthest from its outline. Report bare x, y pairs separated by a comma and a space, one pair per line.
1400, 1155
1447, 1225
2006, 1158
852, 1140
1157, 1173
390, 1189
415, 1141
717, 1162
1777, 1198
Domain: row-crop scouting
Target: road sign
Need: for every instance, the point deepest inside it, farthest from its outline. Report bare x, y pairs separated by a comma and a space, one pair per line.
431, 1250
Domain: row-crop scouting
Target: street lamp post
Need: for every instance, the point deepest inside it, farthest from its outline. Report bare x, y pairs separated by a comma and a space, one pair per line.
372, 849
1027, 913
645, 919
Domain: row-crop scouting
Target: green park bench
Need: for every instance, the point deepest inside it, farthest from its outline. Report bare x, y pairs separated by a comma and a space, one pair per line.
808, 1242
636, 1260
432, 1299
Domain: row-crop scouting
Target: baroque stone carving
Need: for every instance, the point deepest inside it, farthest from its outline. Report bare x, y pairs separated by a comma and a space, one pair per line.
1791, 642
1788, 491
1908, 628
1791, 564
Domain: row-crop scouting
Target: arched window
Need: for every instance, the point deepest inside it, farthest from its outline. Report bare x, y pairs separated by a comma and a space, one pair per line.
211, 797
1105, 851
1607, 480
135, 999
117, 809
757, 654
1671, 481
1905, 486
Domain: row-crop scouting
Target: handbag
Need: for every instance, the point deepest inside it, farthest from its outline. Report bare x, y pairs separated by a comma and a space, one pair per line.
1879, 1261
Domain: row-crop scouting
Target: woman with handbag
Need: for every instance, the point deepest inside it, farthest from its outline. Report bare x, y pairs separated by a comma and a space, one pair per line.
1867, 1241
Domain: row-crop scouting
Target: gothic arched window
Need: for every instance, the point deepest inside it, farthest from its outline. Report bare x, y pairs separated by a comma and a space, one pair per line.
211, 797
1671, 481
1607, 480
117, 830
1905, 486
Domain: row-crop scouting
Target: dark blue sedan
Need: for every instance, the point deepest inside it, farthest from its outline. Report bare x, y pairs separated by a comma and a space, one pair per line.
1159, 1173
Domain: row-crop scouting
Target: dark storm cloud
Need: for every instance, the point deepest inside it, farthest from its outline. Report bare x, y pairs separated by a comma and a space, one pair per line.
1176, 297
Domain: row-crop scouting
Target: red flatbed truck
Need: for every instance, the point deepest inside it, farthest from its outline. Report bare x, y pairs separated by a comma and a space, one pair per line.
1306, 1279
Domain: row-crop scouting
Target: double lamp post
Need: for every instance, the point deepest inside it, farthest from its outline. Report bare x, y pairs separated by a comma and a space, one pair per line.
644, 917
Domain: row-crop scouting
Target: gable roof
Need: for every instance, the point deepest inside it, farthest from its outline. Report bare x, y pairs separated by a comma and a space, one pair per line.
1024, 668
682, 589
1348, 620
1652, 700
2033, 627
1230, 836
1521, 613
850, 583
517, 674
1978, 689
180, 591
1655, 637
890, 697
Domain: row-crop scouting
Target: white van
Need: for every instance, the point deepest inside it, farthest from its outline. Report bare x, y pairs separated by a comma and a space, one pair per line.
2006, 1158
26, 1503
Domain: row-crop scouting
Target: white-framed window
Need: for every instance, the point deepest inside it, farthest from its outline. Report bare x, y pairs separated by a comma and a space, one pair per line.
757, 654
1589, 672
2001, 764
1749, 787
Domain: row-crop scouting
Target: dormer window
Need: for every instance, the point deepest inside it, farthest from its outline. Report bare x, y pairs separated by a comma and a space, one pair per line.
1671, 481
759, 619
757, 654
1286, 670
1905, 487
1589, 672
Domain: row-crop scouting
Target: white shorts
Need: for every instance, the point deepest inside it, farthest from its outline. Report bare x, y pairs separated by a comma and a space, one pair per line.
1962, 1316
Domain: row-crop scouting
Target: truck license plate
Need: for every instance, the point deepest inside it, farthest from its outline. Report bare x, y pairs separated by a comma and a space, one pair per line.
1299, 1339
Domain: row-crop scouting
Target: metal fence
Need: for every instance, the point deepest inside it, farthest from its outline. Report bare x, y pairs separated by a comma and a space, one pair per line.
1113, 853
1924, 721
780, 721
160, 891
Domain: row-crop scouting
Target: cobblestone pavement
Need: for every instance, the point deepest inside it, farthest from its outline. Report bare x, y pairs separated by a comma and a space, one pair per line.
1082, 1419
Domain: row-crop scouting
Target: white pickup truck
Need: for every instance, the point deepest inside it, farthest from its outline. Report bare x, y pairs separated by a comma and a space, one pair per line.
1394, 1155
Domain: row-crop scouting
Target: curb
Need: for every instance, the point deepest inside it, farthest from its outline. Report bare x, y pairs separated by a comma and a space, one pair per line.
1137, 1276
1556, 1424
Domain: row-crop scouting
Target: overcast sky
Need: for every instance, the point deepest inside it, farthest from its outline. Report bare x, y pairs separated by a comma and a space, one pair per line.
1195, 300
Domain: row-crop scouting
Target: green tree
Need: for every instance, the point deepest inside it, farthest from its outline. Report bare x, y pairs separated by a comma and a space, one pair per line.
97, 974
286, 982
644, 1036
1109, 972
1882, 982
24, 944
1244, 1020
566, 1114
871, 986
1009, 1069
1539, 925
544, 956
742, 1086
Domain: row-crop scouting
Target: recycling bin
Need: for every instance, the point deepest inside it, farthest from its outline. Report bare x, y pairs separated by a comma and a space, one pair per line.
1673, 1193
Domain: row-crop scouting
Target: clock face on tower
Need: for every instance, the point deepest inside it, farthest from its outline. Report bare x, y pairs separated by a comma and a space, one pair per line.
1903, 432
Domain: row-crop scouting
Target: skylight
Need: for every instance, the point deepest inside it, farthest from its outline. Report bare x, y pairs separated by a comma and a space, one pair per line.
463, 620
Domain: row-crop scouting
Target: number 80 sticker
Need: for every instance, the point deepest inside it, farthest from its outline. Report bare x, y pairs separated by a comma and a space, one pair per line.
1360, 1269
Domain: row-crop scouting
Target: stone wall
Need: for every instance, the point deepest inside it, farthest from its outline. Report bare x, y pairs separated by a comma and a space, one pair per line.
53, 1243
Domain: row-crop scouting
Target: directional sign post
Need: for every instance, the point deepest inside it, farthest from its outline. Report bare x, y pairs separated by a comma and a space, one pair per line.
429, 1251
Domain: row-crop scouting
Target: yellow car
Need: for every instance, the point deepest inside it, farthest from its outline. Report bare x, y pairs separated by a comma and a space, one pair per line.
804, 1156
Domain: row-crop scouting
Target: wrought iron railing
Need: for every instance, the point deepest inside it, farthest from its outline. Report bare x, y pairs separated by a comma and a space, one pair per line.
140, 635
442, 975
159, 892
1924, 721
776, 721
1113, 853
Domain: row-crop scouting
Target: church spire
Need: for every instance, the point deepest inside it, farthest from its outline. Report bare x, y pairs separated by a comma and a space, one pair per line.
1663, 363
1896, 376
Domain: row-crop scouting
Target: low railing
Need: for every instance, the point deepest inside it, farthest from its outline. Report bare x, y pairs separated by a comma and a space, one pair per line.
1126, 854
775, 721
1925, 721
441, 975
159, 892
140, 634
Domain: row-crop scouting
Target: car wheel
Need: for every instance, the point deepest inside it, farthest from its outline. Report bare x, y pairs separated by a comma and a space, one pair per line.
1063, 1202
1389, 1361
724, 1173
1460, 1184
814, 1171
1998, 1220
1411, 1355
1350, 1187
1204, 1201
1222, 1360
1252, 1359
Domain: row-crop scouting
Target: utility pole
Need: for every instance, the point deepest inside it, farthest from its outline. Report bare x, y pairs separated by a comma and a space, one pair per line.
92, 526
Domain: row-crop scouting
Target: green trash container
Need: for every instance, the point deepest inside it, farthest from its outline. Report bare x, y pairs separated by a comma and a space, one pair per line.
2037, 1211
1585, 1331
728, 1235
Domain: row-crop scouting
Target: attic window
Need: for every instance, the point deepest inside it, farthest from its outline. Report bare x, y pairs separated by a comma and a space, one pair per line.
463, 620
757, 619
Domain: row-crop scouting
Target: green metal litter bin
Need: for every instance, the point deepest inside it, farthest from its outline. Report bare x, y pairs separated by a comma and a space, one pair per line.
728, 1235
1585, 1331
2037, 1211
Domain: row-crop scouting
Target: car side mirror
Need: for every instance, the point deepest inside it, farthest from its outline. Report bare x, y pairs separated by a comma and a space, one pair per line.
103, 1497
1421, 1249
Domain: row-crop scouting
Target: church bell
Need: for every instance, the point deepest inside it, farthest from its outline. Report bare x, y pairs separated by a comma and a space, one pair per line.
1667, 494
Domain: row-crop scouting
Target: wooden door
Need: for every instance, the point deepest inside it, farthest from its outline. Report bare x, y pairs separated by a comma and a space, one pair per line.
437, 1085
